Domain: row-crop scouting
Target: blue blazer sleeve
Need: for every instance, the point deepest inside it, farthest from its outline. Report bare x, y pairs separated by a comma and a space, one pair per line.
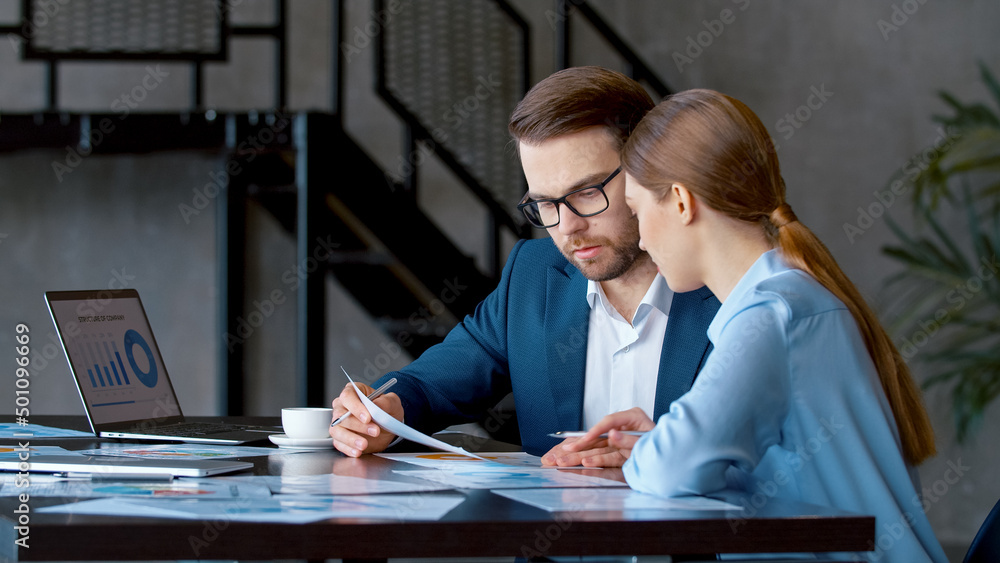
530, 336
457, 380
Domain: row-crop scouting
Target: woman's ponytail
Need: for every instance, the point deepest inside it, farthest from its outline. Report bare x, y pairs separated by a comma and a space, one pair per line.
718, 149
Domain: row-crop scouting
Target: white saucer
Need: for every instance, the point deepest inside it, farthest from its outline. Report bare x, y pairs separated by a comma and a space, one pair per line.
283, 441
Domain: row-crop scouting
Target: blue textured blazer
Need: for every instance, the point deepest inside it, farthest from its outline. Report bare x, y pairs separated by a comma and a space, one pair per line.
530, 336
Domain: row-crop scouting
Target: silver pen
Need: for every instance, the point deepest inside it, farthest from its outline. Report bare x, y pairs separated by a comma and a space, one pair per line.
579, 433
372, 396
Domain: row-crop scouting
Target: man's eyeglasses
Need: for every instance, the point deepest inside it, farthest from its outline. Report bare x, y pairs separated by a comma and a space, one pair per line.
585, 202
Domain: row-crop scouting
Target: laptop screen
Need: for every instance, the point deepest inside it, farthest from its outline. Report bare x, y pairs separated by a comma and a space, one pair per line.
113, 356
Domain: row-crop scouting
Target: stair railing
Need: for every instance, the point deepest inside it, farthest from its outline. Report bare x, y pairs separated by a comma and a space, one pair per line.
635, 67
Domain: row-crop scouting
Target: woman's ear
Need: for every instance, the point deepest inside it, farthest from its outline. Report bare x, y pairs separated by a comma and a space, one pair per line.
684, 202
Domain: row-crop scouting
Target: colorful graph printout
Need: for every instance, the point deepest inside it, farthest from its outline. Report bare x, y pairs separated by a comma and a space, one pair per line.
12, 430
509, 478
447, 460
16, 452
179, 451
48, 486
345, 485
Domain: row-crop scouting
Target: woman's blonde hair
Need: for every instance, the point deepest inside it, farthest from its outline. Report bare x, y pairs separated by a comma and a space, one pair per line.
718, 149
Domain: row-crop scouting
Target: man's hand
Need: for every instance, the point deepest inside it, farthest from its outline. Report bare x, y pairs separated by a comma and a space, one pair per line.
600, 454
358, 434
591, 450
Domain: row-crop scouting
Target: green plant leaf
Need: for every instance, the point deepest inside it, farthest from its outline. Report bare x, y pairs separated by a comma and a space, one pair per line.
945, 300
990, 82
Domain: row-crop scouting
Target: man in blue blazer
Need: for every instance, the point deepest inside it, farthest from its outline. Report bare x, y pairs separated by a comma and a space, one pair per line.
580, 322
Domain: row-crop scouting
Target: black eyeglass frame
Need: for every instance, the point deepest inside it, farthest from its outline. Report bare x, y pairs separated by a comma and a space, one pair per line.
536, 221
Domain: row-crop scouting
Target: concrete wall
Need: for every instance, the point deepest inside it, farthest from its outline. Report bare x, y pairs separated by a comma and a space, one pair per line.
118, 216
880, 65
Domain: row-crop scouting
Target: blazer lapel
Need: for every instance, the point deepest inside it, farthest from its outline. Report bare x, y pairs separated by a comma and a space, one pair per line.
685, 345
566, 326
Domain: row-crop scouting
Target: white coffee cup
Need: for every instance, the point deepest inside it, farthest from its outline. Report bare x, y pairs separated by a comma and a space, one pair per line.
306, 423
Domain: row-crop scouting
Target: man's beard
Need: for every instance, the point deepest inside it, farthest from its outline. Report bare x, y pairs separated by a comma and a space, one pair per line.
624, 253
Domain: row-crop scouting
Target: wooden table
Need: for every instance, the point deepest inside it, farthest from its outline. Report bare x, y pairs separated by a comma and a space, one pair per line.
483, 525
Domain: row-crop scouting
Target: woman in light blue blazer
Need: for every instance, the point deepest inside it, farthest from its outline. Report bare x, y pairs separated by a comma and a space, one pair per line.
804, 396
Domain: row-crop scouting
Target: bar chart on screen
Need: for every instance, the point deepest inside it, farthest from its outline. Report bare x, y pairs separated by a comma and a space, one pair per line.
106, 368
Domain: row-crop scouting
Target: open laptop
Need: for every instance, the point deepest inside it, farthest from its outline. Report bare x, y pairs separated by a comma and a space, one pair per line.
120, 374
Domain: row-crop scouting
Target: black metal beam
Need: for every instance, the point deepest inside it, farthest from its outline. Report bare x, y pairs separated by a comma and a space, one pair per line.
111, 133
38, 131
52, 85
337, 26
562, 34
638, 68
281, 55
231, 259
198, 86
314, 141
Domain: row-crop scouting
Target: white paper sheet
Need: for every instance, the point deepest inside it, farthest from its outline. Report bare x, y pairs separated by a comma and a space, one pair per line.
344, 485
386, 421
438, 460
289, 509
500, 477
558, 500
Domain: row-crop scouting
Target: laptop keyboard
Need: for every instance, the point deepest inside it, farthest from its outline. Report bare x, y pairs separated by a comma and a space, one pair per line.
193, 429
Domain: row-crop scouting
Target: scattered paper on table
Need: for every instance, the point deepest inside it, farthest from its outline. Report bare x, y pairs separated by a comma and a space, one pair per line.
344, 485
557, 500
48, 486
447, 460
10, 451
288, 509
386, 421
498, 477
179, 451
14, 430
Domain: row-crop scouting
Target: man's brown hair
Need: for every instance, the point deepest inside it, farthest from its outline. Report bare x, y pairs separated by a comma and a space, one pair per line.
577, 98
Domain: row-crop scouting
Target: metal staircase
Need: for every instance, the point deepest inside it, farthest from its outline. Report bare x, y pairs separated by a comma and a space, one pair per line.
451, 71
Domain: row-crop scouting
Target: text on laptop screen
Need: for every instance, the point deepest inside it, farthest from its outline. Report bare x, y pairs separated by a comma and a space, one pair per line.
115, 360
